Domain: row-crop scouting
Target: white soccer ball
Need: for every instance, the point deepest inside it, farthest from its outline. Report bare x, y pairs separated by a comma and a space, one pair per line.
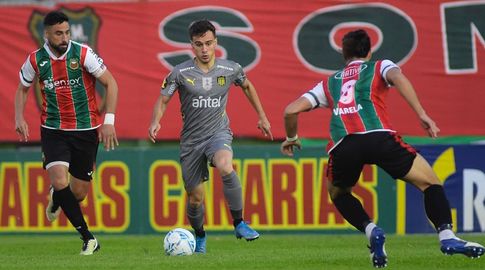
179, 242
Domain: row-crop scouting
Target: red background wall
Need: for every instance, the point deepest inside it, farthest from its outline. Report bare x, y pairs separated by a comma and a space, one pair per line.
129, 42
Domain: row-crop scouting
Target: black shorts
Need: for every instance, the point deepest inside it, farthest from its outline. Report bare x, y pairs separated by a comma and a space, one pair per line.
75, 149
384, 149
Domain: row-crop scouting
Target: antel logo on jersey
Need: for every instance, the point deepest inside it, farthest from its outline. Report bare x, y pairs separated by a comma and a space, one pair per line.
49, 84
207, 102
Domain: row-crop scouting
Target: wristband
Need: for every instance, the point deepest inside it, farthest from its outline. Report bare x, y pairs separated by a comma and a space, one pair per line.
292, 139
109, 119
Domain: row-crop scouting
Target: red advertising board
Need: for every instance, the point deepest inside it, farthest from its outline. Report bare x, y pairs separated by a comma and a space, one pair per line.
286, 47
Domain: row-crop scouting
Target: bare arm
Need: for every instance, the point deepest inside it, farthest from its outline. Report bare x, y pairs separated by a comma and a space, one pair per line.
107, 132
21, 126
405, 88
291, 124
252, 95
158, 112
109, 82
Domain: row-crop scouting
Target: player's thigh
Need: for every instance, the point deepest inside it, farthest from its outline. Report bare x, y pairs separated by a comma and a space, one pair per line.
393, 155
194, 167
55, 148
84, 149
421, 174
56, 156
58, 175
219, 149
345, 164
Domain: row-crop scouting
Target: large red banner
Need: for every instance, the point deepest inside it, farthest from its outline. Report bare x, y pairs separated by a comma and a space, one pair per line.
286, 47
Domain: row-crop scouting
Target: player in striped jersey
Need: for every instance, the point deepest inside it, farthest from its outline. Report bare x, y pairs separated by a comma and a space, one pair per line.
362, 134
70, 131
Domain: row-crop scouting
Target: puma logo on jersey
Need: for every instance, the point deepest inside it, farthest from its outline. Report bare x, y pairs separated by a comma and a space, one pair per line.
43, 63
190, 81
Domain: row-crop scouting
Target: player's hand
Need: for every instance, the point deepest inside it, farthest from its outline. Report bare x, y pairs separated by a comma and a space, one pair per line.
107, 135
22, 130
265, 127
153, 131
288, 148
429, 125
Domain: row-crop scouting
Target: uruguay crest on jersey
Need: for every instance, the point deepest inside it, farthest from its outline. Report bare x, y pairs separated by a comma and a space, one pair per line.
207, 83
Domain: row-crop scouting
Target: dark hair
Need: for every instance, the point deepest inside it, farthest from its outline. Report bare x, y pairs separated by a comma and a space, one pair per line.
198, 28
55, 17
355, 44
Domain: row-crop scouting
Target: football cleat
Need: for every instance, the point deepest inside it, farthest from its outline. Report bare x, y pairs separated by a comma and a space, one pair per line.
200, 244
244, 231
377, 250
90, 246
458, 246
52, 211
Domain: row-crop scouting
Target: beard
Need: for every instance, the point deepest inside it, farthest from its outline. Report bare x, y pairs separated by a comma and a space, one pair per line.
60, 49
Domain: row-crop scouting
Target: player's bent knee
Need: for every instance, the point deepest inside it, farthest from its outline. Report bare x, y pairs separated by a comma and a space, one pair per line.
336, 192
80, 197
59, 184
225, 171
195, 200
195, 204
224, 166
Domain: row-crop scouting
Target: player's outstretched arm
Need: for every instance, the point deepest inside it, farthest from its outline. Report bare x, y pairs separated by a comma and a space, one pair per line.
252, 95
406, 89
302, 104
158, 112
21, 126
107, 132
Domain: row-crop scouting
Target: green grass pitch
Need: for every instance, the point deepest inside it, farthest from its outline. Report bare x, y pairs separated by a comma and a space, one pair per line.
271, 251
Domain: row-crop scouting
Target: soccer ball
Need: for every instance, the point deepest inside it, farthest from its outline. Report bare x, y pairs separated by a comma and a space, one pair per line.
179, 242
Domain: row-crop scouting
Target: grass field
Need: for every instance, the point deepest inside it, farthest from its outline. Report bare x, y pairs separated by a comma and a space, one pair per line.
272, 251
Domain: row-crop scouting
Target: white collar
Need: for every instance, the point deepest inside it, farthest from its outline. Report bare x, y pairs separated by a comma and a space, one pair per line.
356, 61
53, 56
